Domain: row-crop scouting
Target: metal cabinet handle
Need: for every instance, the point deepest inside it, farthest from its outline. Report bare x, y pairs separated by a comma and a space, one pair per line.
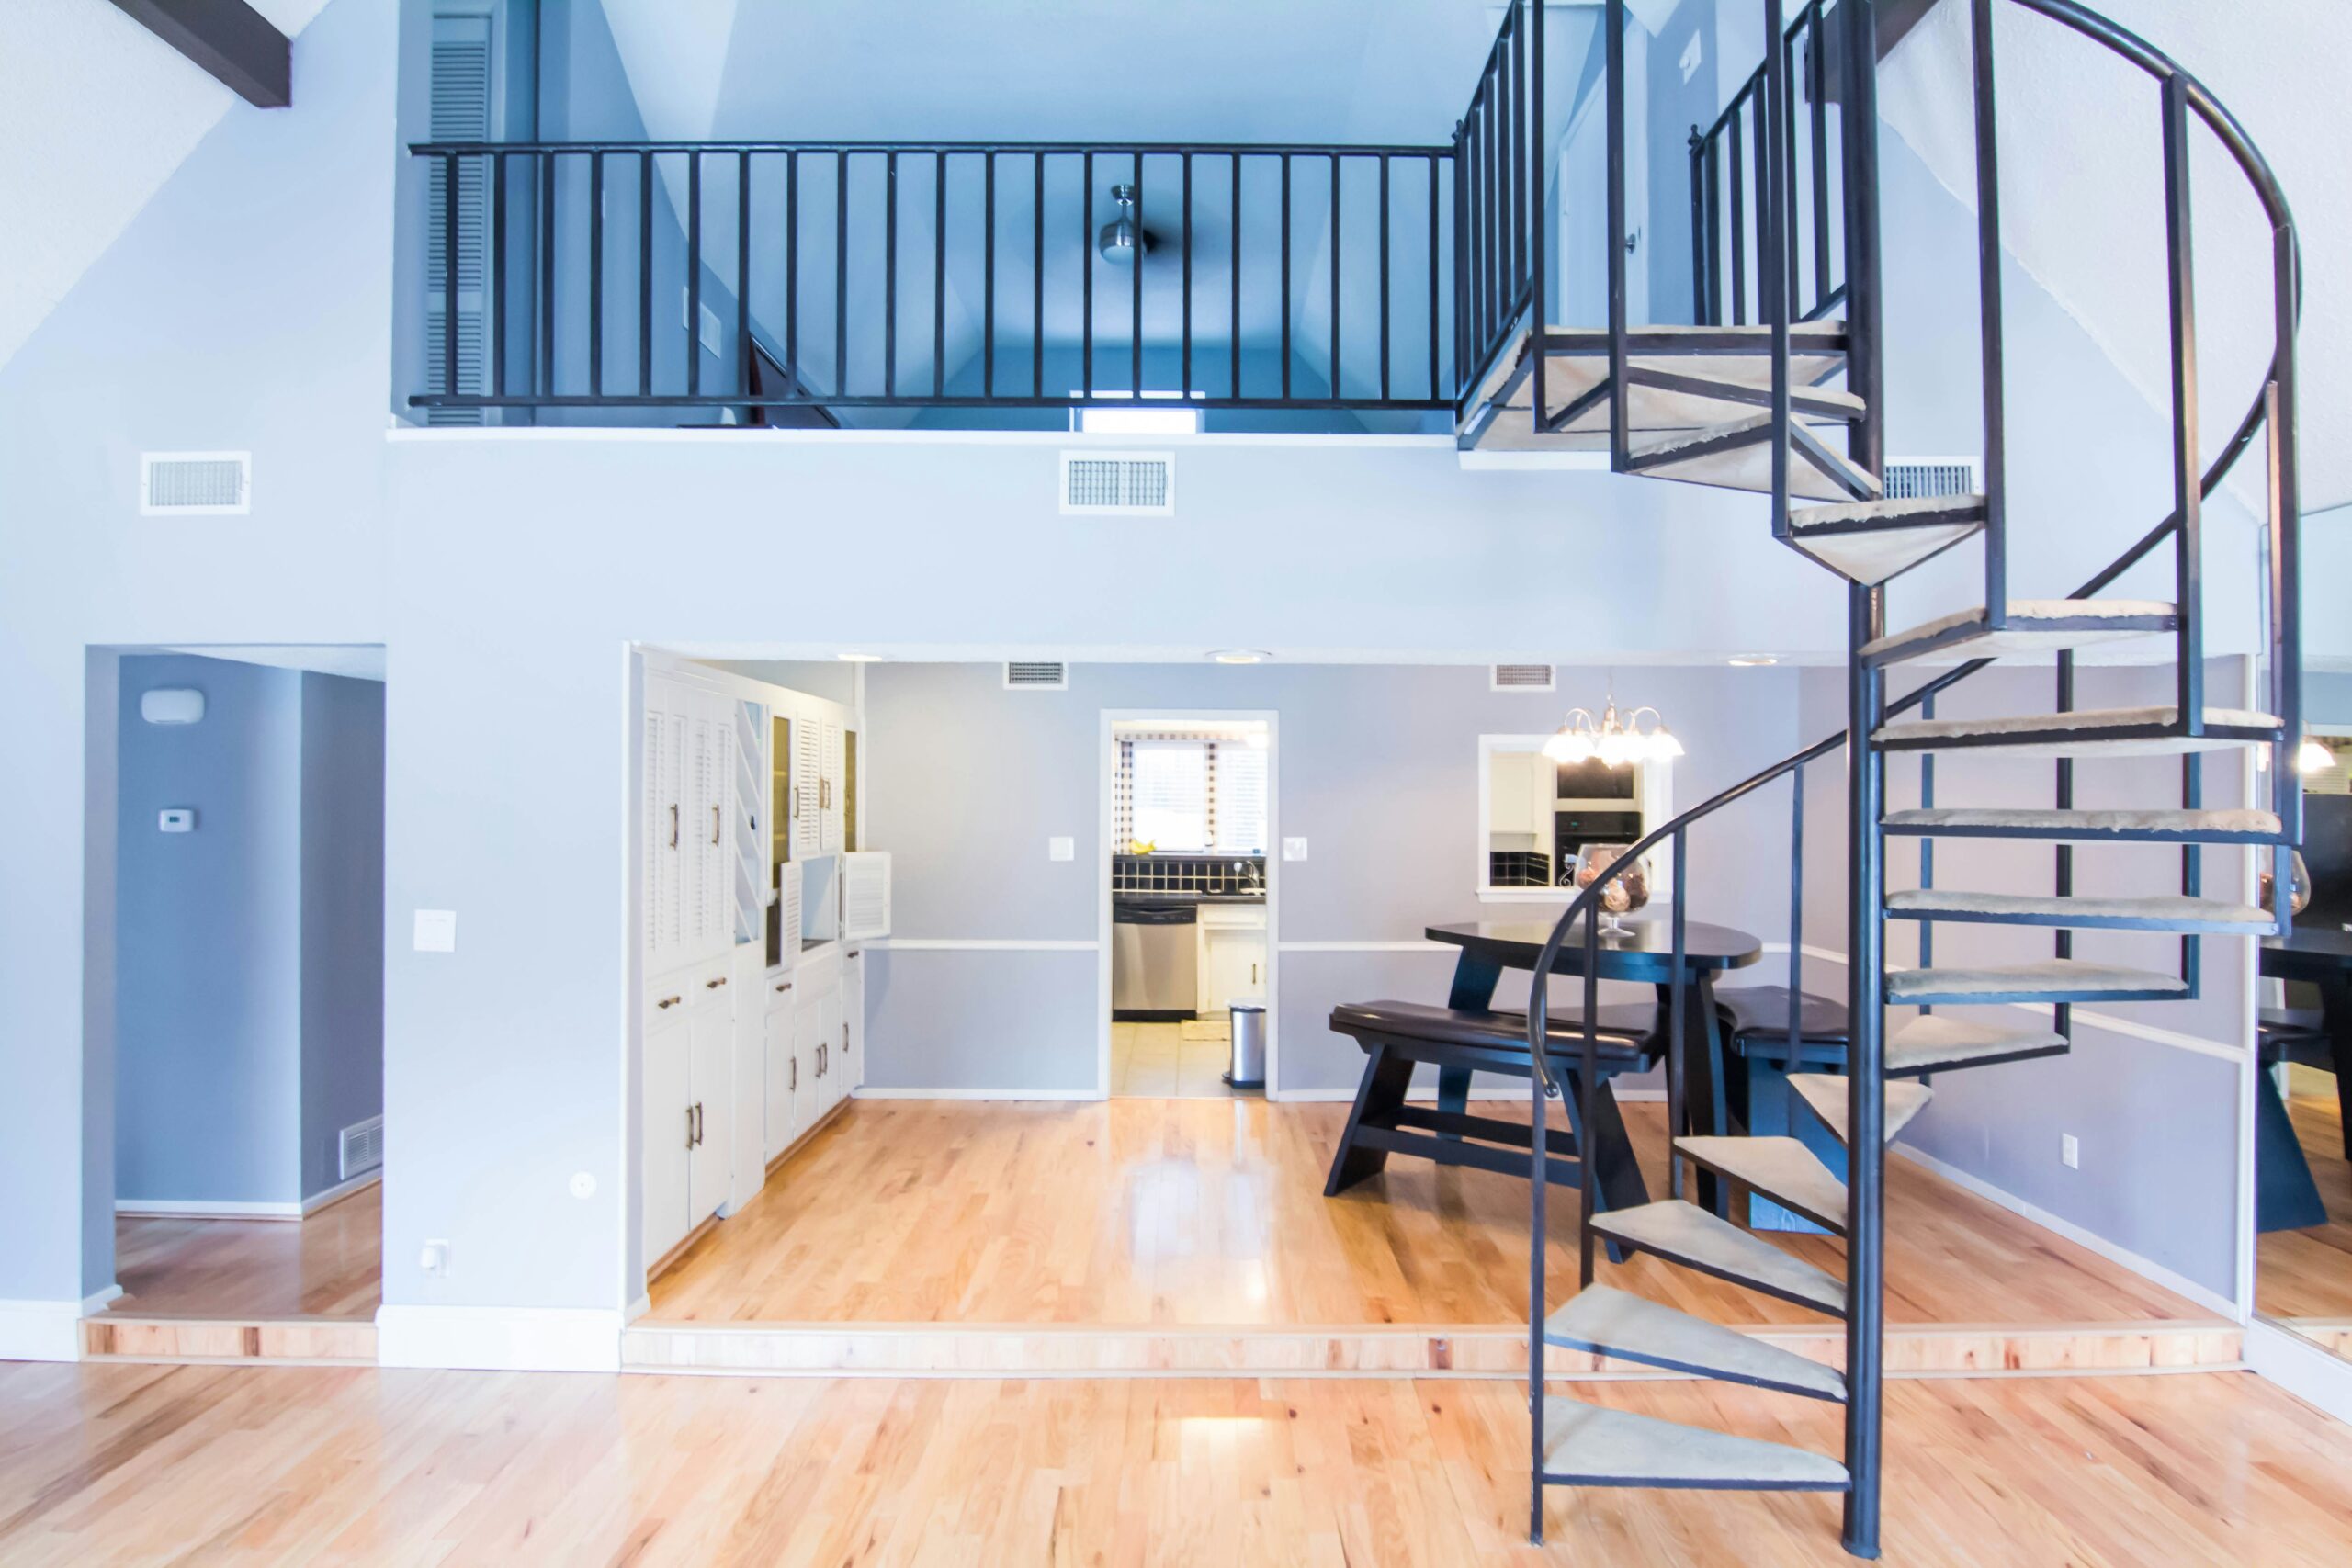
674, 824
1253, 974
793, 1082
669, 1002
714, 824
784, 986
796, 802
714, 985
690, 1126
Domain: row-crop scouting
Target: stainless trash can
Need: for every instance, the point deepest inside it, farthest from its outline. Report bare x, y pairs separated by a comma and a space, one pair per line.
1248, 1068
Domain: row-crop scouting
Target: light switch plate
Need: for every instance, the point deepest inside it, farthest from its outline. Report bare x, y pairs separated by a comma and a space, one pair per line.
437, 930
175, 819
1061, 848
1294, 848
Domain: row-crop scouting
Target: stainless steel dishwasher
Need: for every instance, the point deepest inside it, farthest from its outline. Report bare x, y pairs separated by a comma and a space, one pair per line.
1155, 959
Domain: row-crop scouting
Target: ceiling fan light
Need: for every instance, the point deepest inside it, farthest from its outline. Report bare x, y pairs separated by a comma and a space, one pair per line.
2313, 756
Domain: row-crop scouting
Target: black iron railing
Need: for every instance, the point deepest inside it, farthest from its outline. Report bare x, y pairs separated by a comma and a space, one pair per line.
1729, 177
1498, 260
780, 275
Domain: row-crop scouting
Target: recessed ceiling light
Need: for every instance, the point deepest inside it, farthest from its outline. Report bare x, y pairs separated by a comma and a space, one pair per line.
1750, 660
1240, 656
859, 657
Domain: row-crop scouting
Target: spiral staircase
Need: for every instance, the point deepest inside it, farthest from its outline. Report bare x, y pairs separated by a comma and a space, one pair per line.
1789, 406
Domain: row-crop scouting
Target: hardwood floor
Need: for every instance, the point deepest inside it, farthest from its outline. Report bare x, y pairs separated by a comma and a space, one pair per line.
127, 1464
2307, 1274
1198, 1212
330, 1265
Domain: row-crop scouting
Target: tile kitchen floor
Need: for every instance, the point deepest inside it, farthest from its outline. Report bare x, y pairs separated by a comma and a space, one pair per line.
1154, 1061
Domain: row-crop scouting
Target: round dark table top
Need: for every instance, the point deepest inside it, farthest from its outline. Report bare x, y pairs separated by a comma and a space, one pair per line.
1644, 951
2307, 953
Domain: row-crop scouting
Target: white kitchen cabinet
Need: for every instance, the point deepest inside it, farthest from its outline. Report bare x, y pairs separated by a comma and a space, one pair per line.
853, 1030
669, 1121
782, 1071
711, 1049
833, 764
1235, 966
689, 795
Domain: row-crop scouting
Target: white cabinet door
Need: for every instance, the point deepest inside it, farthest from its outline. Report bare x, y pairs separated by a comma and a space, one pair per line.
668, 1125
834, 765
829, 1008
1237, 966
809, 1061
808, 768
666, 829
710, 1050
853, 1030
710, 788
781, 1070
865, 895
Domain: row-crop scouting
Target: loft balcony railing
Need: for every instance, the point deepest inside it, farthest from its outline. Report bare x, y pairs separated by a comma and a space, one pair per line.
791, 281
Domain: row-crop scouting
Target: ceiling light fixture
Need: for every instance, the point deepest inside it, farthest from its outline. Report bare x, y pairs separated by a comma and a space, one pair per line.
1240, 656
1123, 239
2313, 756
859, 657
1611, 741
1750, 660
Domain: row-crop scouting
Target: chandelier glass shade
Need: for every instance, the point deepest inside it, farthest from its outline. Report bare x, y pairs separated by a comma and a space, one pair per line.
1612, 741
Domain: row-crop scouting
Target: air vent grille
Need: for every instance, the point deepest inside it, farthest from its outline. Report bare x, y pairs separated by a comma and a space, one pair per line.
1036, 676
1135, 483
1911, 478
363, 1147
191, 484
1521, 678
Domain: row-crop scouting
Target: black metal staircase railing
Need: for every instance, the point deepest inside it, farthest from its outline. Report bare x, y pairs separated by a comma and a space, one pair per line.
1498, 256
778, 275
1846, 56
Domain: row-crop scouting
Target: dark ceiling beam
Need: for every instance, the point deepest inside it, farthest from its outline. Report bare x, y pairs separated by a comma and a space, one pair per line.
229, 39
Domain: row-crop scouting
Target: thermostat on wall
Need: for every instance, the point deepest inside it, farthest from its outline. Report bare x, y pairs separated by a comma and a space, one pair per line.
175, 819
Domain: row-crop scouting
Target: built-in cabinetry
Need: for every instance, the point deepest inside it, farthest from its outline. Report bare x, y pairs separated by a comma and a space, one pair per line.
1232, 966
755, 902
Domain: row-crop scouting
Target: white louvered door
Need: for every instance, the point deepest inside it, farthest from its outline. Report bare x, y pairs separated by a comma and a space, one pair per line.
808, 767
667, 831
834, 767
463, 84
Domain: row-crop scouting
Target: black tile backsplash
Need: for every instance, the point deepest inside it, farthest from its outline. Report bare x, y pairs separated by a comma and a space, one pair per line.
1188, 874
1517, 868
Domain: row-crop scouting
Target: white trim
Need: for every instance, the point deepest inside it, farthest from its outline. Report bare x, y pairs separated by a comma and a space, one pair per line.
2179, 1284
2302, 1368
174, 1207
40, 1331
98, 1301
739, 436
339, 1191
866, 1091
974, 945
506, 1340
1401, 945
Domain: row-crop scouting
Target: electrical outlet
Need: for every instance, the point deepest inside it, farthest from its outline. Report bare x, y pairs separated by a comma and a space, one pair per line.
433, 1259
2070, 1151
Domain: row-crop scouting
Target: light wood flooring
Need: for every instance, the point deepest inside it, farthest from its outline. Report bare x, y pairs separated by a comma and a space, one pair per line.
1196, 1213
2304, 1278
1170, 1061
328, 1266
136, 1465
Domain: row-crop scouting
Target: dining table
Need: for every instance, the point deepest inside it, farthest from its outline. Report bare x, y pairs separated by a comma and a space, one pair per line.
2318, 953
1637, 952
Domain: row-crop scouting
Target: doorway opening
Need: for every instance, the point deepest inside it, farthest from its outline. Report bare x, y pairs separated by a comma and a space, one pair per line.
1189, 900
246, 955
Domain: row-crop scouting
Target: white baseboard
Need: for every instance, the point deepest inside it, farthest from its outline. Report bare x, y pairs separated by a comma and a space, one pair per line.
2302, 1369
176, 1209
864, 1093
2179, 1284
339, 1191
40, 1331
97, 1301
514, 1339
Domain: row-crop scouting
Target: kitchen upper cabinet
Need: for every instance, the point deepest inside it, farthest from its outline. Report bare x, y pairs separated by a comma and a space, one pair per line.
831, 788
689, 787
808, 793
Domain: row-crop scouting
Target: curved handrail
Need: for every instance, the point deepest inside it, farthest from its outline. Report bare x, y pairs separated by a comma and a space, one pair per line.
2249, 159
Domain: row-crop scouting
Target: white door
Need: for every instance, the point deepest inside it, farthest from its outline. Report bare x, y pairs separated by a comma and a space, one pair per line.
808, 752
711, 1049
829, 1008
1237, 966
669, 1124
666, 830
781, 1070
834, 766
853, 1030
809, 1061
1582, 212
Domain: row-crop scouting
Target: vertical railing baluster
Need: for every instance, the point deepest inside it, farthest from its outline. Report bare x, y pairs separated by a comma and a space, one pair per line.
449, 275
1677, 1087
2063, 868
596, 275
890, 274
988, 275
1775, 252
497, 310
2285, 523
840, 272
1236, 279
939, 274
1336, 248
1698, 160
1866, 1071
1134, 306
547, 171
1187, 356
1539, 282
1620, 389
1927, 841
1038, 277
1436, 387
645, 173
1384, 368
792, 272
1819, 87
1796, 913
1738, 187
1988, 290
1588, 1167
1858, 120
1086, 285
2187, 491
694, 274
743, 272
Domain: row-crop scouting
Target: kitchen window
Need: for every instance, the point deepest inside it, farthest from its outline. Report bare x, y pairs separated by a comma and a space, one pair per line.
1197, 796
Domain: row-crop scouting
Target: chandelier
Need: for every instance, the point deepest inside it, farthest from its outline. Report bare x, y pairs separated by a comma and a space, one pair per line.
1612, 741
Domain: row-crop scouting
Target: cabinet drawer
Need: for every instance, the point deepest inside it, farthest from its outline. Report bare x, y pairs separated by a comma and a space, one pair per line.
689, 989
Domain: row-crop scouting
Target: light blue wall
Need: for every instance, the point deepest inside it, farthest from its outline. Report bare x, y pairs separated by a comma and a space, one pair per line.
342, 917
208, 1005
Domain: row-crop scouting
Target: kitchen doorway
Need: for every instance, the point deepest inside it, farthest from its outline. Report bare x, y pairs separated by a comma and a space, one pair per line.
1189, 902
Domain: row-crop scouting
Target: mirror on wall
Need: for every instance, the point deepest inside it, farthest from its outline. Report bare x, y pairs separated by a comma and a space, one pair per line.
1536, 814
2303, 1279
